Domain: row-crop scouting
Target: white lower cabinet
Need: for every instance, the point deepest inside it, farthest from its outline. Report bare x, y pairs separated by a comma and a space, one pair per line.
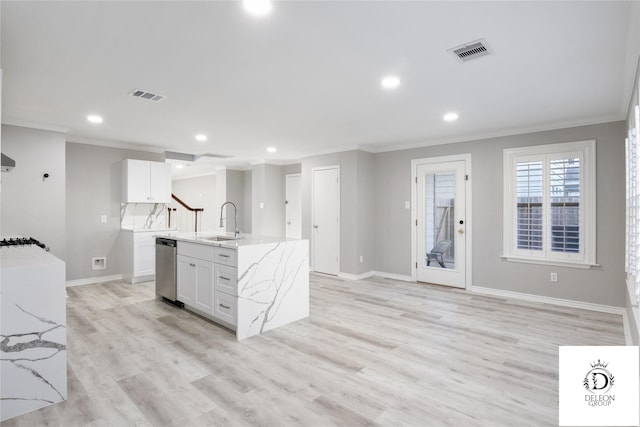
210, 288
195, 283
139, 255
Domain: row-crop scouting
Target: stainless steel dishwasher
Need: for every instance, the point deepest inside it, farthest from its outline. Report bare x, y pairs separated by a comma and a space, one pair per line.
166, 284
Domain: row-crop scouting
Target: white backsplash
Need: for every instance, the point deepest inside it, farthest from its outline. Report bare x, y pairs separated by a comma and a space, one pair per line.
143, 216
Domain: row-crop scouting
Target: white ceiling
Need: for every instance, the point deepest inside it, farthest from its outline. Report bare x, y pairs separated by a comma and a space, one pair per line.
306, 79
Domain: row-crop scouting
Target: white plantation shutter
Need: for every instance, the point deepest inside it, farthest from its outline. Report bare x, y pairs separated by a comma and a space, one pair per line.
564, 186
632, 258
529, 222
549, 204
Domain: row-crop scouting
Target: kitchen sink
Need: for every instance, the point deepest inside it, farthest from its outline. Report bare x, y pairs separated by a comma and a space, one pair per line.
220, 238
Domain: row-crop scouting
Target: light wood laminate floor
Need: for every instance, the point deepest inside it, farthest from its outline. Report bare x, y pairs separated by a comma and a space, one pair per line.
373, 352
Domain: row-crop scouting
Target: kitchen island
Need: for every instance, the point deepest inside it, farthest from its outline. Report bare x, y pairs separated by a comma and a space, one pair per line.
250, 284
33, 340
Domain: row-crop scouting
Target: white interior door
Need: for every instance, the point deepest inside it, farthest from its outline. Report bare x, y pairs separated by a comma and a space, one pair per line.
441, 223
293, 207
325, 219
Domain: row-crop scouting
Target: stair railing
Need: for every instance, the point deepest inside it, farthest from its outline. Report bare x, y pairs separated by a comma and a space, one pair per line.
195, 211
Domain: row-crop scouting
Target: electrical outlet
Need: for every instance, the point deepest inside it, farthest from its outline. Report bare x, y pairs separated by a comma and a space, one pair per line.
361, 258
103, 218
261, 205
407, 205
554, 277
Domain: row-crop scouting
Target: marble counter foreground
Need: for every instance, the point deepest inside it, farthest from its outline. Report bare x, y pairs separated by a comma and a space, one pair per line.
33, 356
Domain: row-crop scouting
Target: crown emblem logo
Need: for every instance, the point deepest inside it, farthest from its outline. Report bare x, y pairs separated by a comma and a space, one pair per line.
599, 364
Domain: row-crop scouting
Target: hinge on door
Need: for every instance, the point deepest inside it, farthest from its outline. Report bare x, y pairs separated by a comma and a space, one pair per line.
286, 202
416, 222
416, 265
466, 177
416, 179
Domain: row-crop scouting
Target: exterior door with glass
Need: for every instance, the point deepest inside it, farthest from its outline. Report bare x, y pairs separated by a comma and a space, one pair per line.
441, 236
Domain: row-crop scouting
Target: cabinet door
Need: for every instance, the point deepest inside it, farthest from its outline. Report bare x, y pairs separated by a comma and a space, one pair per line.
160, 182
204, 286
135, 176
144, 254
186, 280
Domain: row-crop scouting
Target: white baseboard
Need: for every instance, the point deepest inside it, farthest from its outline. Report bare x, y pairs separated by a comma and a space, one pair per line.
627, 329
375, 273
141, 279
393, 276
549, 300
355, 276
90, 280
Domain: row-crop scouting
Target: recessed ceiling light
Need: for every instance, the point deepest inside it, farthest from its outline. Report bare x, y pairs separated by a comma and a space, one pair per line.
272, 149
201, 137
390, 82
257, 7
94, 119
450, 117
179, 166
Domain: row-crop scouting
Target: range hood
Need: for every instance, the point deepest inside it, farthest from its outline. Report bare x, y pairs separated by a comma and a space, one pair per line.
7, 163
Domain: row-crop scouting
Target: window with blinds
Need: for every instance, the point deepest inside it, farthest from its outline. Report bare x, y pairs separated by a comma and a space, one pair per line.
549, 203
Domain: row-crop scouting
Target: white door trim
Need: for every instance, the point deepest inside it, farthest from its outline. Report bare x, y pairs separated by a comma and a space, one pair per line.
468, 216
313, 210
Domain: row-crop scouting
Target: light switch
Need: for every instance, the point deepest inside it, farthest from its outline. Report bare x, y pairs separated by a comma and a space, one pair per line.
407, 205
261, 205
103, 218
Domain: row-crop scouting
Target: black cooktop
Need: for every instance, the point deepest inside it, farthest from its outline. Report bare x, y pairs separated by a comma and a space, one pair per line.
21, 241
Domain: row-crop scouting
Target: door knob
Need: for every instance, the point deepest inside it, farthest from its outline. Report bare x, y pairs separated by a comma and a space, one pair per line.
461, 230
315, 226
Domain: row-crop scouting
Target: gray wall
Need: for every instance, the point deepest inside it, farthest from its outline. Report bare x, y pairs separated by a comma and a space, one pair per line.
292, 169
246, 203
94, 188
32, 206
356, 206
365, 208
230, 188
200, 192
268, 188
601, 285
235, 194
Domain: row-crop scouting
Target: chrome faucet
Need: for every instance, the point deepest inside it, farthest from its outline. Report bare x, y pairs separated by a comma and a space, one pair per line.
235, 211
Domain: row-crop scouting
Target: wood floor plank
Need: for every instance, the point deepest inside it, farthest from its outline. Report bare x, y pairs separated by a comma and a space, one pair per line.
375, 352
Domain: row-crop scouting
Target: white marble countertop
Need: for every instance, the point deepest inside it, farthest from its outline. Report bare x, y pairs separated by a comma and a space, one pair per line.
25, 256
148, 230
244, 240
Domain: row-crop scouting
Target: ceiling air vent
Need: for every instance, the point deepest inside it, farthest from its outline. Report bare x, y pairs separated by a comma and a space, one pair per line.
471, 50
137, 93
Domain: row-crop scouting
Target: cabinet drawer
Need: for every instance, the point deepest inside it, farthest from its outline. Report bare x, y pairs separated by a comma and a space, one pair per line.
225, 256
226, 279
195, 250
226, 307
145, 237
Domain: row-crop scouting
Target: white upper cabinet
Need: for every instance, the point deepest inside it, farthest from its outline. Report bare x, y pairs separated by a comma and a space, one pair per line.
146, 182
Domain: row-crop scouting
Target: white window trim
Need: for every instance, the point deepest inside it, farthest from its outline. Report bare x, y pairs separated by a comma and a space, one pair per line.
587, 257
